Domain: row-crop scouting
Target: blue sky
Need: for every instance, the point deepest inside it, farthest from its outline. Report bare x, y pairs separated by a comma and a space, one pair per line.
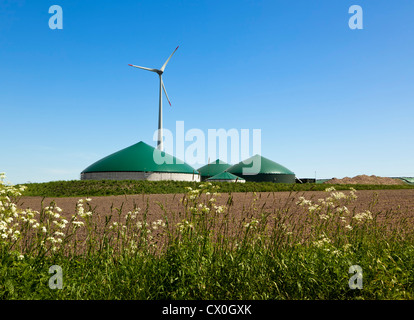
327, 99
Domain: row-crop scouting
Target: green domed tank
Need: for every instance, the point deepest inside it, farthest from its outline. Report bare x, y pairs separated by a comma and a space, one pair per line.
267, 170
212, 169
137, 162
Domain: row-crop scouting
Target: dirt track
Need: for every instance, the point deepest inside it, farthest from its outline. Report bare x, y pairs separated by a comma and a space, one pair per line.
387, 200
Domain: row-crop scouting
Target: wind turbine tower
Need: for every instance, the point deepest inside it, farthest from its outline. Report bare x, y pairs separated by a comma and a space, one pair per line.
160, 71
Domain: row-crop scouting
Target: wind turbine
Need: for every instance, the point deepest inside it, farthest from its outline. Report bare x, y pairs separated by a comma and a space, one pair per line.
162, 87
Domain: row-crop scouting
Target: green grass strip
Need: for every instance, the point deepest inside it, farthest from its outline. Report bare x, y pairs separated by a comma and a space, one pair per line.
85, 188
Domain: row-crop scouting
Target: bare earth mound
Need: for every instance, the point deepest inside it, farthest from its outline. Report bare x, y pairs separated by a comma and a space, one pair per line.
364, 179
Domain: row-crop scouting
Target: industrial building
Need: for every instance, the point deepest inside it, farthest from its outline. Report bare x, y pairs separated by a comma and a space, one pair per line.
269, 171
213, 168
137, 163
226, 177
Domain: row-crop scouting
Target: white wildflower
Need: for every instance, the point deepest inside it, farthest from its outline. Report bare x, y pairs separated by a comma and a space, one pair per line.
324, 216
342, 209
313, 208
348, 227
338, 195
51, 239
352, 194
366, 215
323, 240
303, 202
15, 235
77, 223
219, 209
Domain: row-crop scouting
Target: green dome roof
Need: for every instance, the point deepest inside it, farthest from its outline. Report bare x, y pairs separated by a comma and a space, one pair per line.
267, 166
213, 168
225, 176
139, 157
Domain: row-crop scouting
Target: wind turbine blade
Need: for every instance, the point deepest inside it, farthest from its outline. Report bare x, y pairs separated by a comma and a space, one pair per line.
149, 69
165, 64
165, 91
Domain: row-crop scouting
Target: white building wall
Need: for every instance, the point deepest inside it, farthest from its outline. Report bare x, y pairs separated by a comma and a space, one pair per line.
152, 176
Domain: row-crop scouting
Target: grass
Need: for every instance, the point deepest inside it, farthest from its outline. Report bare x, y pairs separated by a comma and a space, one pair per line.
85, 188
302, 250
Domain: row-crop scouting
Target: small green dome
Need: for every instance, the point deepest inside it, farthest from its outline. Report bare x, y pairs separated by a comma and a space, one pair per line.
139, 157
225, 176
213, 168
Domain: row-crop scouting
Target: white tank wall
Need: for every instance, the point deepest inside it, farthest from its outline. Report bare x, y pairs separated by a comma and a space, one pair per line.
238, 181
152, 176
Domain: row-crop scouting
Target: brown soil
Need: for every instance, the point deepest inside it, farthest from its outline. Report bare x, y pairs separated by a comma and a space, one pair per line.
364, 179
400, 202
395, 208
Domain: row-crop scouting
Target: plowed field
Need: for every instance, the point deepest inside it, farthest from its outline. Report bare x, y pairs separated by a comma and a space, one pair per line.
397, 204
